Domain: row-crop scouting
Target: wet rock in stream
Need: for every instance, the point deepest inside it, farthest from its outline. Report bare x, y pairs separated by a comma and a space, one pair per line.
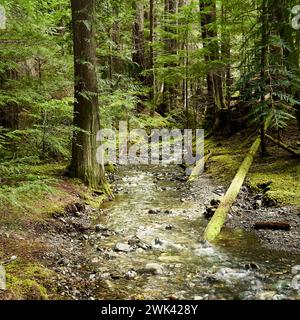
296, 270
211, 209
152, 269
252, 266
229, 276
136, 242
266, 295
81, 226
122, 247
130, 275
164, 245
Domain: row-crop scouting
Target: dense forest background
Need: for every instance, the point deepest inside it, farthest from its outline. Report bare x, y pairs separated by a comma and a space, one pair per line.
218, 65
193, 63
69, 68
225, 66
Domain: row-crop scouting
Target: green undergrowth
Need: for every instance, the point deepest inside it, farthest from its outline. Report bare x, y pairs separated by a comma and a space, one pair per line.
147, 122
25, 188
34, 192
279, 167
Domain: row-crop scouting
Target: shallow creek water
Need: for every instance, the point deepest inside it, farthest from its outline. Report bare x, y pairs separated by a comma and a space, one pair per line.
192, 269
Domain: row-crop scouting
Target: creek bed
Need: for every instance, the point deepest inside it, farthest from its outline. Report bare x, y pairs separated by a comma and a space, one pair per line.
156, 207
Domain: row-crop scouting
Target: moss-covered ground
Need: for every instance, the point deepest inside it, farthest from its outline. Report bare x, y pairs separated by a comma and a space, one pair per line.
279, 167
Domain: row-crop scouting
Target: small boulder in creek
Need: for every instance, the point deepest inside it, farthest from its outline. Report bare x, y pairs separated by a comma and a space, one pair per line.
153, 269
209, 212
122, 247
215, 202
252, 266
130, 275
296, 270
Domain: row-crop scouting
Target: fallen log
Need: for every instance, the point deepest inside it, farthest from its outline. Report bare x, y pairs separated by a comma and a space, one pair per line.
268, 225
283, 146
215, 225
199, 167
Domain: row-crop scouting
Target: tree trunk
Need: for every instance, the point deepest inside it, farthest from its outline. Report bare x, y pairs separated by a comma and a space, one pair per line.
171, 49
264, 43
215, 225
138, 56
226, 53
214, 78
291, 49
297, 108
86, 114
186, 84
152, 81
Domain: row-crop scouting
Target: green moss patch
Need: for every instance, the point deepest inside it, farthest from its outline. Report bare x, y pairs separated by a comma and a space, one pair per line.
29, 281
284, 173
280, 168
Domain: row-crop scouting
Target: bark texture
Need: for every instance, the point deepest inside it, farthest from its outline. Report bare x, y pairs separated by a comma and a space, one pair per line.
86, 114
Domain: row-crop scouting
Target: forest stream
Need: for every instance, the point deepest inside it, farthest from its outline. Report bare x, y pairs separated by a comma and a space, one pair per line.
152, 244
89, 86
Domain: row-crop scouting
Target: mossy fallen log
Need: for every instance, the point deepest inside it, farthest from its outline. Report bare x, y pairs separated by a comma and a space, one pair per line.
284, 146
197, 170
215, 225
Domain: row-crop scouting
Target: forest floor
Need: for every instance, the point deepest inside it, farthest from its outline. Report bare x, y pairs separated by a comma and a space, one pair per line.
273, 189
44, 236
279, 167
